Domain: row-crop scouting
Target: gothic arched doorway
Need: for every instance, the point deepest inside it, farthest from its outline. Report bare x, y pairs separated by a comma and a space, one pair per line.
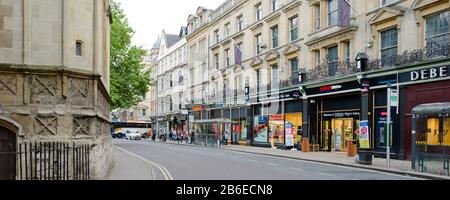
7, 154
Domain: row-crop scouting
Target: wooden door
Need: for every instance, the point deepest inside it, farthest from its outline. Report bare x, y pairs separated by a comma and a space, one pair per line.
7, 154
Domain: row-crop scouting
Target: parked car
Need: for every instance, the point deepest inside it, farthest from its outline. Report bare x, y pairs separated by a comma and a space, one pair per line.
134, 136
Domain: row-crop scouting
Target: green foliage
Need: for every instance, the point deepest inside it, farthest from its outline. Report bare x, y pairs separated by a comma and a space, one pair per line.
129, 80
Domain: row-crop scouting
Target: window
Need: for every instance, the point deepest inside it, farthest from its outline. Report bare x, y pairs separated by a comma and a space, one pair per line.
333, 60
78, 48
317, 16
387, 2
347, 52
216, 36
227, 30
294, 70
332, 12
258, 39
294, 28
275, 78
258, 12
317, 57
180, 104
227, 57
258, 80
437, 29
240, 23
192, 77
170, 104
274, 37
216, 60
144, 112
389, 43
275, 5
170, 81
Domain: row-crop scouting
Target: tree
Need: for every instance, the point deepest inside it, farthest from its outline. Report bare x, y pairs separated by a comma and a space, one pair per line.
130, 81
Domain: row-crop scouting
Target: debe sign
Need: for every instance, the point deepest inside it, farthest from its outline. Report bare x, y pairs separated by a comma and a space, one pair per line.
429, 73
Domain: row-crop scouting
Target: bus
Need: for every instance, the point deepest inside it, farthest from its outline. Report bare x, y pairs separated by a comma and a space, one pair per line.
125, 129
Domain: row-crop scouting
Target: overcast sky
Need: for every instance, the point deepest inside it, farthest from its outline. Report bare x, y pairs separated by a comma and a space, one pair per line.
149, 17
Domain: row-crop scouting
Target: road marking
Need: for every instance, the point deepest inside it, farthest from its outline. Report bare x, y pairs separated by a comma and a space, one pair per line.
316, 163
325, 174
164, 171
273, 164
298, 169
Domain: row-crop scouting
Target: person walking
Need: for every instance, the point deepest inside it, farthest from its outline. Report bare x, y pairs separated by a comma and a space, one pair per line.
330, 139
192, 137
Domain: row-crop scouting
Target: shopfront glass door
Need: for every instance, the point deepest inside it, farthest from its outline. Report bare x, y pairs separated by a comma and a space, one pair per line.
342, 130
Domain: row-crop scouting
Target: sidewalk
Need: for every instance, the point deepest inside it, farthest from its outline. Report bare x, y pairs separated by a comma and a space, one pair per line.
127, 167
379, 164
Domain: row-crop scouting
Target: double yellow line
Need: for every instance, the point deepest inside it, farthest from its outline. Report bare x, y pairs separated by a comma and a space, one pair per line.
164, 171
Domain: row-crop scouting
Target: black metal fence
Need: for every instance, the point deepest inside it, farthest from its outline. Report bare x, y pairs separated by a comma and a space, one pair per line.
53, 161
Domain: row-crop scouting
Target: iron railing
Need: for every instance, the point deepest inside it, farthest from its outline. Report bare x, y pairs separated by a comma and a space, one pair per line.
53, 161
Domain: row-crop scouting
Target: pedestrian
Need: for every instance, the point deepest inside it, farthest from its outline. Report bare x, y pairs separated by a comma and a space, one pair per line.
330, 139
192, 137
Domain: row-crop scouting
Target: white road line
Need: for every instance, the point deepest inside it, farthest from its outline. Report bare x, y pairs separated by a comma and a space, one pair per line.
164, 171
297, 169
273, 164
325, 174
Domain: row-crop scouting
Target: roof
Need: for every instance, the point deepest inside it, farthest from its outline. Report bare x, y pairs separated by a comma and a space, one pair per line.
172, 39
157, 44
432, 109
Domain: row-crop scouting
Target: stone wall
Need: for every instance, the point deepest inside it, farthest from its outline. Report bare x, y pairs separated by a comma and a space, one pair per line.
59, 105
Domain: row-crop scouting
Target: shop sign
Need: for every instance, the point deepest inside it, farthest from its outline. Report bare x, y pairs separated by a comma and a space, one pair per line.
426, 74
341, 114
393, 97
276, 118
198, 108
289, 135
365, 84
285, 95
364, 135
262, 120
429, 74
330, 88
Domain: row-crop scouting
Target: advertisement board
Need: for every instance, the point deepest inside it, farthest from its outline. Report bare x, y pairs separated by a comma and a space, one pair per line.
364, 138
289, 135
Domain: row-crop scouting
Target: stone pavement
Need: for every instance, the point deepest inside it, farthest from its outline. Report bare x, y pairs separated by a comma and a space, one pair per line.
127, 167
400, 167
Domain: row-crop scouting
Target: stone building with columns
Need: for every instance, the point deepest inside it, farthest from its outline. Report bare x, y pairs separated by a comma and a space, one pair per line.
54, 76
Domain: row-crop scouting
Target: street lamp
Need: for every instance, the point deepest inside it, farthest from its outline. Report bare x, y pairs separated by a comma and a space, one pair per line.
362, 61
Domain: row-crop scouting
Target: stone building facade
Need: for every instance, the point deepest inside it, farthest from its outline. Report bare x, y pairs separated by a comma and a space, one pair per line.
54, 74
298, 60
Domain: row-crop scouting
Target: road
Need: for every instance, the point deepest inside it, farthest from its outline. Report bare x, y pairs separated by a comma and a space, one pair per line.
178, 162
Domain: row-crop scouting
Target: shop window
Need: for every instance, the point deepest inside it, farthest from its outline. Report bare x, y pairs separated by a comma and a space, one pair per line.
275, 78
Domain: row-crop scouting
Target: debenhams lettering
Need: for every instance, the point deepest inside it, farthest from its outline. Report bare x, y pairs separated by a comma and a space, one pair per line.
429, 73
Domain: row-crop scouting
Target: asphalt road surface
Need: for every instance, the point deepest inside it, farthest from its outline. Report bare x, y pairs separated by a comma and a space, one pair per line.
177, 162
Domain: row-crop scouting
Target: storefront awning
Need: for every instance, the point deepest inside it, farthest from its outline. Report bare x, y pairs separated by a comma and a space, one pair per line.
215, 121
432, 109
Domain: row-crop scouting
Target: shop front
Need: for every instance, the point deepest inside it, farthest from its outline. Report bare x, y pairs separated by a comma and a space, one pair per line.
239, 130
279, 122
335, 115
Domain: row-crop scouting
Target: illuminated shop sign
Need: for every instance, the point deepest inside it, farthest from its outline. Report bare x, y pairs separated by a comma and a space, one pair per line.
330, 88
341, 114
425, 74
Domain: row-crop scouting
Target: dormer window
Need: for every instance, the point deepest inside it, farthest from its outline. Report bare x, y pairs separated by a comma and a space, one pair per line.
78, 48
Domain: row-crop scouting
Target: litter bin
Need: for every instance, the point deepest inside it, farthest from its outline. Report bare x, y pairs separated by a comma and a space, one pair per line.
305, 145
365, 156
352, 148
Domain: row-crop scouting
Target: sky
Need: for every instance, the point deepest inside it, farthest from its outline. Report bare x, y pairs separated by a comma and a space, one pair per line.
149, 17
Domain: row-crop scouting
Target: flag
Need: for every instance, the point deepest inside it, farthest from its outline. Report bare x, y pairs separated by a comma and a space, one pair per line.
237, 55
343, 13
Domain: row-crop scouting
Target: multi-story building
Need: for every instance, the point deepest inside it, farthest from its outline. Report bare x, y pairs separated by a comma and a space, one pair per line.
298, 59
198, 62
172, 82
54, 83
153, 91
